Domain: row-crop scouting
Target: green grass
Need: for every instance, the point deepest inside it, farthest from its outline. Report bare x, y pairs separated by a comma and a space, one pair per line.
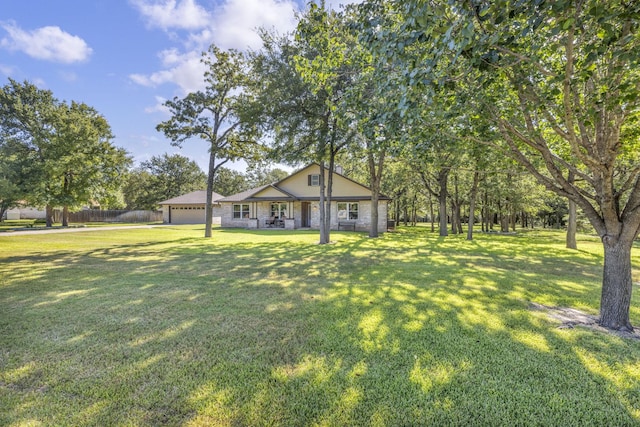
9, 224
163, 327
30, 224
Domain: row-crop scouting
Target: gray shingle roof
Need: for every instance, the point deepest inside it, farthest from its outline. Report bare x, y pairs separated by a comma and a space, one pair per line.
198, 197
239, 197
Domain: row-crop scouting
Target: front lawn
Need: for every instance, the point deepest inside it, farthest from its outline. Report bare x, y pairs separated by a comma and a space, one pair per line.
163, 327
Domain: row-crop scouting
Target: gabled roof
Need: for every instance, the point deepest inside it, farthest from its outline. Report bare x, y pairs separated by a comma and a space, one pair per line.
198, 197
282, 194
253, 195
242, 196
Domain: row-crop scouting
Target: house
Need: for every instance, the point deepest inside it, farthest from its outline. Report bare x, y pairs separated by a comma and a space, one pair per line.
189, 208
294, 201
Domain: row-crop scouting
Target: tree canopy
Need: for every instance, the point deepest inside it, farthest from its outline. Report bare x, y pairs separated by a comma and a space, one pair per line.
57, 154
557, 83
161, 178
212, 115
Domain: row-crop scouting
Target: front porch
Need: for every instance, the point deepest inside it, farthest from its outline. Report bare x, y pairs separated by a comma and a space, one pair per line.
272, 223
296, 214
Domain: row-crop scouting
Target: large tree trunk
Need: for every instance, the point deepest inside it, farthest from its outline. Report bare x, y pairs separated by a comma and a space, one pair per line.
472, 205
375, 174
458, 209
373, 230
431, 215
49, 215
327, 218
65, 216
443, 177
454, 217
208, 209
323, 230
616, 285
405, 214
572, 226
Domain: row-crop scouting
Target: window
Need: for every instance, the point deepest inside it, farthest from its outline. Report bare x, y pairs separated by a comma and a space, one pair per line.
347, 211
279, 210
314, 180
240, 211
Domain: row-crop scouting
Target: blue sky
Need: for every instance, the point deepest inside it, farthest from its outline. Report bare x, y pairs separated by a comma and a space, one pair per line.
126, 57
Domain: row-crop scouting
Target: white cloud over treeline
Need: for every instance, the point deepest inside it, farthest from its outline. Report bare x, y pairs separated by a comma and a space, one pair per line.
230, 24
46, 43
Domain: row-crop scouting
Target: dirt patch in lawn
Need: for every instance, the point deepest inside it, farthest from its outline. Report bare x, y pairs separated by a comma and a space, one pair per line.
570, 318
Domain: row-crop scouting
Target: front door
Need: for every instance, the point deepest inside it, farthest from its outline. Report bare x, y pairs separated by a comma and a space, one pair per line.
306, 215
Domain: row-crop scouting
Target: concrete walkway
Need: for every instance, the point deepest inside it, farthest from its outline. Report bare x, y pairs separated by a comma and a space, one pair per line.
73, 230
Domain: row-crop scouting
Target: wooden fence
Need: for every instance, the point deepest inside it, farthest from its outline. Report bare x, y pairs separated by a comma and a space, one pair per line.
95, 215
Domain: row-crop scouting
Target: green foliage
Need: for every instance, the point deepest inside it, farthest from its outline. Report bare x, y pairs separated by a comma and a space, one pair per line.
258, 175
138, 191
211, 114
161, 178
214, 115
229, 181
283, 106
86, 167
63, 155
27, 116
551, 84
14, 187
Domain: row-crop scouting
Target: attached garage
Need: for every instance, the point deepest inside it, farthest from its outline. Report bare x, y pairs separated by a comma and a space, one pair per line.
187, 215
190, 208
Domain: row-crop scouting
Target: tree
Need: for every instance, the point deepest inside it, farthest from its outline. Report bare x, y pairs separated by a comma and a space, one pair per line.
83, 165
27, 120
324, 65
297, 88
212, 115
65, 151
173, 175
13, 179
257, 175
558, 80
367, 105
160, 178
229, 181
138, 190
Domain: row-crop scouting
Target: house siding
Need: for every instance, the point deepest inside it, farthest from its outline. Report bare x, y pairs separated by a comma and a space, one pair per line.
262, 212
295, 190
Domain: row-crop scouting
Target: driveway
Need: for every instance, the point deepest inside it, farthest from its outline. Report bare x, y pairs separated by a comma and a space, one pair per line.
73, 230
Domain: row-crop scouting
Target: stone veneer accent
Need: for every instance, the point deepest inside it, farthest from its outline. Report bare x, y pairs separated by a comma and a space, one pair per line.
261, 211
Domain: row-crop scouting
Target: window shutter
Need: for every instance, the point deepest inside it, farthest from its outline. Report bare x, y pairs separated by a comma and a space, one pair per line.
309, 180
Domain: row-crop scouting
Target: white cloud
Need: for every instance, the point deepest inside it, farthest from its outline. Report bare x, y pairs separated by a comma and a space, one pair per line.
47, 43
168, 14
230, 24
184, 70
236, 22
7, 70
159, 107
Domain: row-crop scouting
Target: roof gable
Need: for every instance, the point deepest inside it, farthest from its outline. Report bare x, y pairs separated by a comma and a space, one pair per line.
271, 191
297, 187
298, 184
193, 198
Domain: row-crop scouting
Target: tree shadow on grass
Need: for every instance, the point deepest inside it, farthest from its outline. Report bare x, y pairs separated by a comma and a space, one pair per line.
278, 331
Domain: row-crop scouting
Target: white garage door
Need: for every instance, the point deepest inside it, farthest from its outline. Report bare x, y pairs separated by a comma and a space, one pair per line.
187, 215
